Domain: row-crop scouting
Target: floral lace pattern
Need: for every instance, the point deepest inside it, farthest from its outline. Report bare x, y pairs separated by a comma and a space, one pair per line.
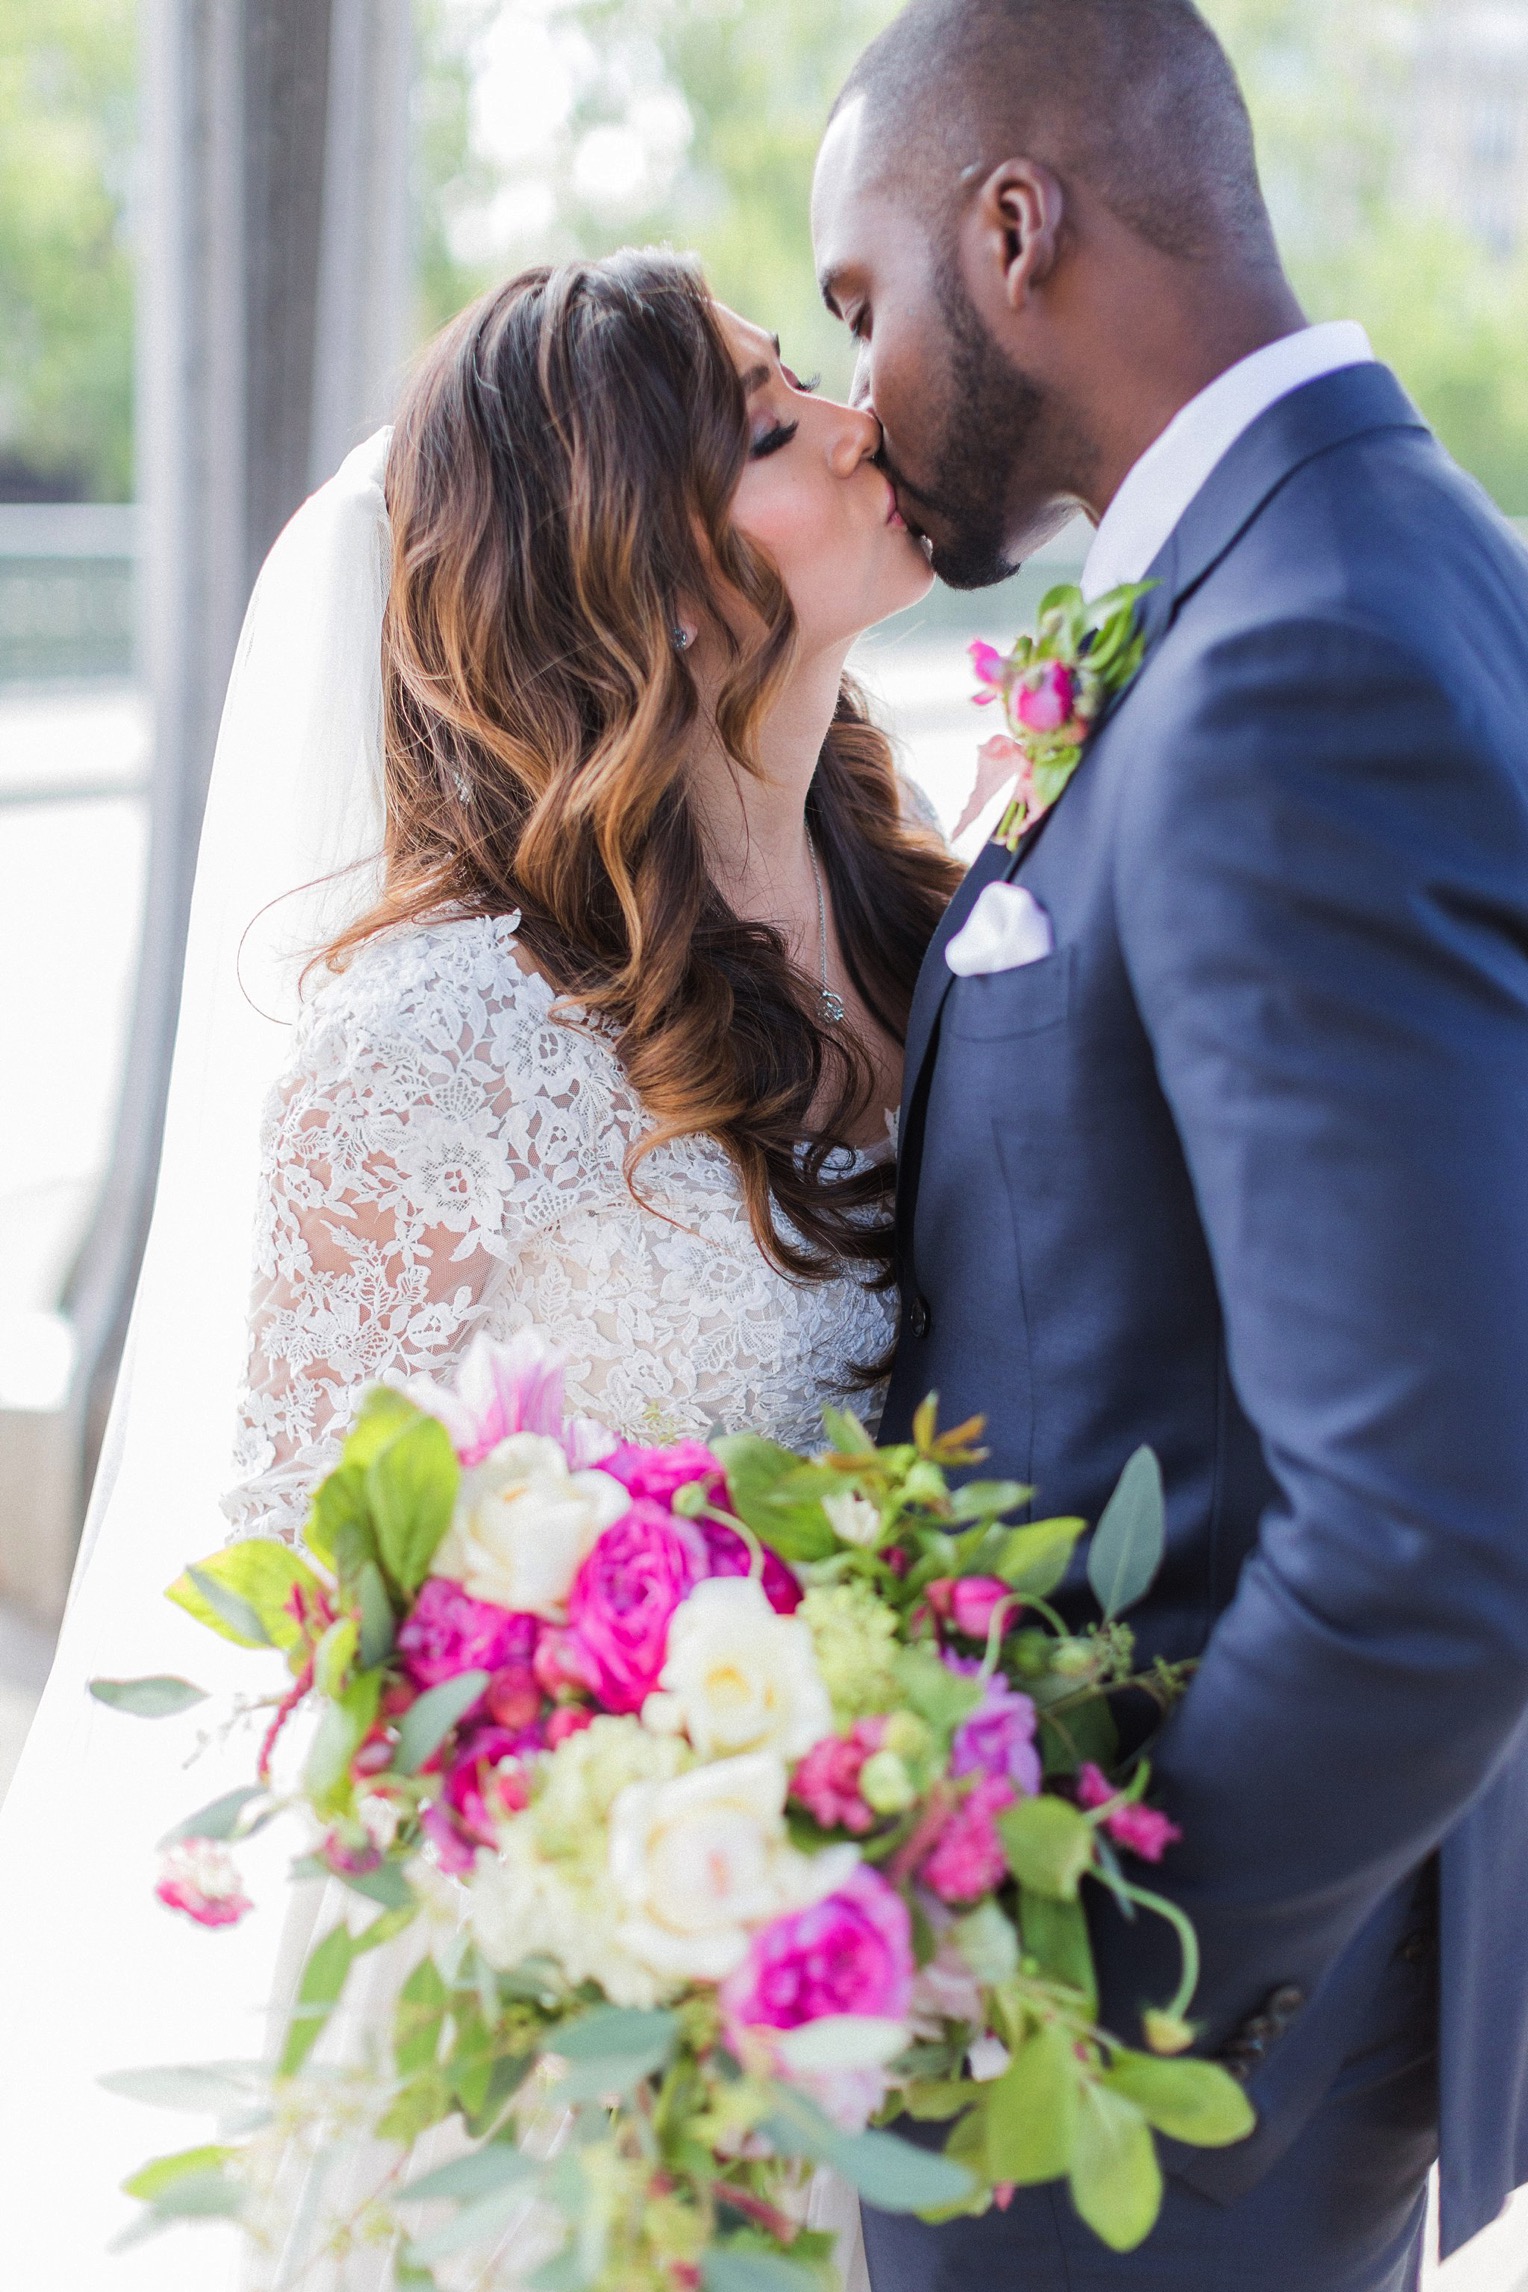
445, 1156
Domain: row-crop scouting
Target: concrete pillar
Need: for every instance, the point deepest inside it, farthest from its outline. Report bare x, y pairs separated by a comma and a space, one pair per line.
274, 314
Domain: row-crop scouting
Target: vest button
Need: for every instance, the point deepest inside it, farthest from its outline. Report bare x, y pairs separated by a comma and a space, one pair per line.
919, 1318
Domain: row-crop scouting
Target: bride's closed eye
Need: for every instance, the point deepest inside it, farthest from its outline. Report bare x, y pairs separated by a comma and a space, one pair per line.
777, 433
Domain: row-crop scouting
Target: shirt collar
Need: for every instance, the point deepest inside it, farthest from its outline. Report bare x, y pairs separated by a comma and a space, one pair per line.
1159, 487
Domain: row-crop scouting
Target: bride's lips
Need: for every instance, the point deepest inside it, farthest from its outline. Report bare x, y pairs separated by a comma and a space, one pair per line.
894, 516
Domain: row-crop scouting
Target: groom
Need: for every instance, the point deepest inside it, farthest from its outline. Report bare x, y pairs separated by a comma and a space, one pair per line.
1240, 1166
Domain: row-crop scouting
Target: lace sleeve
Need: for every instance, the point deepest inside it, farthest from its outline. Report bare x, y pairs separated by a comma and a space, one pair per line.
384, 1230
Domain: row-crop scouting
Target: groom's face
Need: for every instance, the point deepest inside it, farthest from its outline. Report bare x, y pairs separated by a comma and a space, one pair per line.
966, 429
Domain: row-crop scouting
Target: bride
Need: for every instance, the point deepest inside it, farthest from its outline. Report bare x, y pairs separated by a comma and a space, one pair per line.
604, 1042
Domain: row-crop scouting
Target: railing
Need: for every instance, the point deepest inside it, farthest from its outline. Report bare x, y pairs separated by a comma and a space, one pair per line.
67, 606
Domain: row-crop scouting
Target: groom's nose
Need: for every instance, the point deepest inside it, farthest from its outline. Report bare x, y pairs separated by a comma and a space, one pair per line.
859, 387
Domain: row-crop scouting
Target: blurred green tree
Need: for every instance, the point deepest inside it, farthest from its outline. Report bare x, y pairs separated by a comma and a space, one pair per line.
66, 322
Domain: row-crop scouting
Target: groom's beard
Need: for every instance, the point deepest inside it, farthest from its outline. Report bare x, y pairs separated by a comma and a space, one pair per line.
994, 415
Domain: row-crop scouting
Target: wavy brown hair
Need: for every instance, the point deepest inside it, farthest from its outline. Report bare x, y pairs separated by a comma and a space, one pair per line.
561, 475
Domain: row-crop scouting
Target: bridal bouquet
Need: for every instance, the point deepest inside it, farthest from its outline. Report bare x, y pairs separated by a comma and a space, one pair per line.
733, 1803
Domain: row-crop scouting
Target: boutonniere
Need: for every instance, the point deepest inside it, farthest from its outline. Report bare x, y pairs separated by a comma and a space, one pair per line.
1052, 686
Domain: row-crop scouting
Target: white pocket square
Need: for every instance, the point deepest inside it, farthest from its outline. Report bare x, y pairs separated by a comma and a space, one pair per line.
1005, 928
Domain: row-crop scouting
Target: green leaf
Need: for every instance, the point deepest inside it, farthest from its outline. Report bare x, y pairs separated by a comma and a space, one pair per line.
1085, 1730
323, 1980
1115, 2179
381, 1416
427, 1723
480, 2223
1194, 2101
1128, 1542
334, 1655
740, 2270
1034, 1559
1031, 2110
411, 1486
219, 1819
888, 2172
201, 2196
152, 2180
378, 1628
160, 1696
611, 2050
796, 1528
243, 1592
1056, 1937
935, 2100
846, 1433
1048, 1844
498, 2166
340, 1531
988, 1499
387, 1885
203, 2086
416, 2023
339, 1735
940, 1696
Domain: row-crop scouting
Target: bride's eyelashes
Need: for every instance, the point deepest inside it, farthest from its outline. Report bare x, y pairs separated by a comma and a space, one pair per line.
771, 440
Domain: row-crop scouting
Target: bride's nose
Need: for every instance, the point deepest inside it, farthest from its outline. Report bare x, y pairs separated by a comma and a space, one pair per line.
856, 439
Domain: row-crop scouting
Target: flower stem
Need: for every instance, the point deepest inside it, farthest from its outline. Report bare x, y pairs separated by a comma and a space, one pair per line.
1188, 1943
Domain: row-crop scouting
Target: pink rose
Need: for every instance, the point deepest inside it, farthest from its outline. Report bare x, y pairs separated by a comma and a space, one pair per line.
967, 1602
848, 1954
728, 1555
967, 1860
1144, 1830
999, 1739
622, 1599
485, 1783
450, 1632
987, 666
826, 1782
199, 1877
1049, 702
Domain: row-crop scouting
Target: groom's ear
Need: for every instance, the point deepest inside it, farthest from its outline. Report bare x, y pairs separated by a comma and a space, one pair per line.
1018, 213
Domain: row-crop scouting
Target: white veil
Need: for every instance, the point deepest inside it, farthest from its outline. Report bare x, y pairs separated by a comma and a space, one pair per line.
94, 1974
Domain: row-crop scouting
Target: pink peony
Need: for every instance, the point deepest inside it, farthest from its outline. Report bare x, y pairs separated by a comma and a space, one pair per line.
450, 1632
987, 665
1143, 1830
508, 1388
200, 1877
848, 1954
966, 1860
728, 1555
568, 1719
622, 1599
999, 1739
826, 1782
485, 1783
967, 1602
661, 1472
1049, 702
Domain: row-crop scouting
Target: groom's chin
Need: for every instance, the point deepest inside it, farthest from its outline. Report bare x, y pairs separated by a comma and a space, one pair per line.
970, 564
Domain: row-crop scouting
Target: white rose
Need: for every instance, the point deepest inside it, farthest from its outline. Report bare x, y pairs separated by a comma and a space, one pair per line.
738, 1677
524, 1523
697, 1862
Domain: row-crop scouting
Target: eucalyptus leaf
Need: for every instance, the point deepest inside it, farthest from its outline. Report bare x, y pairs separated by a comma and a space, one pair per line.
386, 1884
160, 1696
202, 2196
323, 1979
741, 2270
1115, 2179
340, 1733
427, 1723
227, 1611
888, 2172
245, 1592
481, 2223
1194, 2101
161, 2173
988, 1499
486, 2171
211, 2086
613, 2029
841, 2041
1129, 1540
219, 1819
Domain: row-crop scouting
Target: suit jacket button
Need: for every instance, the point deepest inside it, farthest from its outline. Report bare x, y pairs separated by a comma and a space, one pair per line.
1286, 2000
919, 1318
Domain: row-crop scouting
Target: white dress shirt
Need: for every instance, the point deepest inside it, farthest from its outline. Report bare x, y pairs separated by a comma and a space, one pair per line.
1159, 487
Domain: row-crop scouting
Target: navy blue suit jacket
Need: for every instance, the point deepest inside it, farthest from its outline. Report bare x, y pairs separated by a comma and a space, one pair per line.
1241, 1170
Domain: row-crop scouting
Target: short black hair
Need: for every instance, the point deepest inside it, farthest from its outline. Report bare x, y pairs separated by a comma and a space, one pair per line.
1137, 98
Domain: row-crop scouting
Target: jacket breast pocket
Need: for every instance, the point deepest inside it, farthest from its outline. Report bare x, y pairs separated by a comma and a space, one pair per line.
1024, 1001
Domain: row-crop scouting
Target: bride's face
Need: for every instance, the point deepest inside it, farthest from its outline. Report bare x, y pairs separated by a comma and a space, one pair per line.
812, 497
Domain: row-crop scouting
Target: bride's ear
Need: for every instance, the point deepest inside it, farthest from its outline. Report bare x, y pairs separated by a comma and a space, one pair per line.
1019, 213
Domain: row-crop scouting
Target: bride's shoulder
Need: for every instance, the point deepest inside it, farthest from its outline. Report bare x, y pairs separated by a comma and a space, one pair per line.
446, 986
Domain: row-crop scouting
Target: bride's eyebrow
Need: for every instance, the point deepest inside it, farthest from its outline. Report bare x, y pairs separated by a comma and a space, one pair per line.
756, 376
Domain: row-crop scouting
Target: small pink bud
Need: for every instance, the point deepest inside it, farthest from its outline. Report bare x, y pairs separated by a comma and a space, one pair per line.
1047, 699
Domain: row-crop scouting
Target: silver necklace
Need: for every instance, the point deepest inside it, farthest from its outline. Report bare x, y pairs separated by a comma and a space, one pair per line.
830, 1007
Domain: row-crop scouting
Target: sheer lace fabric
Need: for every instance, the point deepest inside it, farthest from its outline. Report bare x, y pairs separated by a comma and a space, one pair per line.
444, 1156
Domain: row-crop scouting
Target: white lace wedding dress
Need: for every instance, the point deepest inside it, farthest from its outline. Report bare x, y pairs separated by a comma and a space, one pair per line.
445, 1156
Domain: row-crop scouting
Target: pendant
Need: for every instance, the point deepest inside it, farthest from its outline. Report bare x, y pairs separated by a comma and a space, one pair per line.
830, 1007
